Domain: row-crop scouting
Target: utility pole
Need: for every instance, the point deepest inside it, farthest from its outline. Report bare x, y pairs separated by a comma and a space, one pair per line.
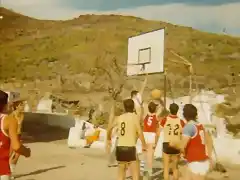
165, 89
1, 16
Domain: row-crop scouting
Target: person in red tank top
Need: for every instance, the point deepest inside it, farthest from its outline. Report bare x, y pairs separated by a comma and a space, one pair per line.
150, 128
8, 138
194, 143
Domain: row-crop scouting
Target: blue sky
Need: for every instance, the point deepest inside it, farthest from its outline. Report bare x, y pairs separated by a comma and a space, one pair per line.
206, 15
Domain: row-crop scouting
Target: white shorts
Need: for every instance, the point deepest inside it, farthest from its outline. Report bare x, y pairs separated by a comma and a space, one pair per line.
200, 168
149, 137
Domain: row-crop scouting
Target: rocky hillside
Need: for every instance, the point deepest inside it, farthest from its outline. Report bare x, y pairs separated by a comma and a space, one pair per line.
33, 48
89, 54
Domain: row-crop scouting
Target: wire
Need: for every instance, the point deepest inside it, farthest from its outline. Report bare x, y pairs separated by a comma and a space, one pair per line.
170, 88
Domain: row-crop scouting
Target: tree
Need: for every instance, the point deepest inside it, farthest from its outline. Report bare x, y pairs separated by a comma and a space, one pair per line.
110, 72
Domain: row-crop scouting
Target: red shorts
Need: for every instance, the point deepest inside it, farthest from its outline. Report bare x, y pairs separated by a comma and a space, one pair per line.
4, 167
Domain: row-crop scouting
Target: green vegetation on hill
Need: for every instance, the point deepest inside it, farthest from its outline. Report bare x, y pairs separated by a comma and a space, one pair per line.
38, 49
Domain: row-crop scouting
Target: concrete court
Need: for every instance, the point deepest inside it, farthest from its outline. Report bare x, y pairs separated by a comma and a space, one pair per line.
54, 160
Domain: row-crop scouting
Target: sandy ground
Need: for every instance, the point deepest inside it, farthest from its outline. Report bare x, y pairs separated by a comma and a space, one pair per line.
54, 160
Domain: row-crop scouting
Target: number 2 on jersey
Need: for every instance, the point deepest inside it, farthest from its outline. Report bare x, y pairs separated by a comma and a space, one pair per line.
149, 120
175, 130
122, 130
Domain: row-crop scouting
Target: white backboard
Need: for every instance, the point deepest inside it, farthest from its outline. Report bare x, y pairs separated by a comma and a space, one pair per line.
148, 49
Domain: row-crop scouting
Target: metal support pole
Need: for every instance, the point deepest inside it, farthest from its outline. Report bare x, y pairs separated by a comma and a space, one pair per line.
165, 89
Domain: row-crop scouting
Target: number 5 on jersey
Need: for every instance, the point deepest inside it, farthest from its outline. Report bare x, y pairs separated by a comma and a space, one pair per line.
149, 120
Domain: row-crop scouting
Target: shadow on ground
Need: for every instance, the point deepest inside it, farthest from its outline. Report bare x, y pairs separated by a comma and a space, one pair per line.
40, 132
157, 175
39, 171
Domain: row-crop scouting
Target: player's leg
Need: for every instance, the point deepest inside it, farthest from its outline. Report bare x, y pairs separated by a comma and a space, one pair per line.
187, 174
150, 140
124, 156
150, 153
166, 160
134, 169
175, 161
134, 163
166, 163
122, 166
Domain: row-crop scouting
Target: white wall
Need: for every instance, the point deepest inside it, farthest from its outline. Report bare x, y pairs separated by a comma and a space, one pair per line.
60, 120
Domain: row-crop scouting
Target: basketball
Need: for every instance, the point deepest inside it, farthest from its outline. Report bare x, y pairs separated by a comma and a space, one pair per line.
156, 94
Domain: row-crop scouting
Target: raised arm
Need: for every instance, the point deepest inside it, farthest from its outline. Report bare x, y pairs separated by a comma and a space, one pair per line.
139, 112
159, 110
143, 85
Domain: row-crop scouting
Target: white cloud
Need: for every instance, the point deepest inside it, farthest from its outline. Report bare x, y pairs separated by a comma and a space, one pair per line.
209, 18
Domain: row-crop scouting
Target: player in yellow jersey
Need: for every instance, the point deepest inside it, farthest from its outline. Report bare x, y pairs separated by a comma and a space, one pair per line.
129, 130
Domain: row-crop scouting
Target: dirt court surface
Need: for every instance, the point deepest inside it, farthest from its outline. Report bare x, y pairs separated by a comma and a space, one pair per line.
54, 160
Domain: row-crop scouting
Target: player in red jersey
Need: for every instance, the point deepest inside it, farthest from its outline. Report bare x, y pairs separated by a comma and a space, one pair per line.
172, 126
8, 138
150, 128
195, 142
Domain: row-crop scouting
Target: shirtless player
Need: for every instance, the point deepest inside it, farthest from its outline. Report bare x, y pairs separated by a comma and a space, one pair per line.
129, 130
195, 142
150, 128
8, 138
172, 126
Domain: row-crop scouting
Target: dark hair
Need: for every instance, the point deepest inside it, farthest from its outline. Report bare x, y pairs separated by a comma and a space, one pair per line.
128, 105
173, 108
16, 104
190, 112
152, 107
133, 93
3, 100
2, 107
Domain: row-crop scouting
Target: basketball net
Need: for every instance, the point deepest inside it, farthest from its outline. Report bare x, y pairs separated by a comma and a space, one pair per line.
142, 68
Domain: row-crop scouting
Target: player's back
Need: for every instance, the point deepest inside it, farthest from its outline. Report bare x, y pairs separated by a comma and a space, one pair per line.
150, 123
127, 129
172, 128
196, 148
